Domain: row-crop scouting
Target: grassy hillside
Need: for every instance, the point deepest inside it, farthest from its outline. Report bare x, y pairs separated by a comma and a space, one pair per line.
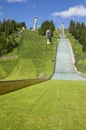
53, 105
6, 66
35, 57
7, 63
80, 56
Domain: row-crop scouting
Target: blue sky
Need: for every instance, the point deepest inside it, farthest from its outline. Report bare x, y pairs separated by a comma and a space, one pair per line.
60, 11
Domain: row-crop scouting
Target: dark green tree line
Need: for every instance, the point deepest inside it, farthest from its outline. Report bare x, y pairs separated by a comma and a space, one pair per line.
9, 33
78, 30
47, 25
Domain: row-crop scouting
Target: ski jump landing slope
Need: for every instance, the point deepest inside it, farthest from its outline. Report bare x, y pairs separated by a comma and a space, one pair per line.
64, 67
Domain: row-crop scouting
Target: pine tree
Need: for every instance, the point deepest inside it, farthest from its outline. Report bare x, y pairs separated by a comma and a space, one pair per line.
78, 30
47, 25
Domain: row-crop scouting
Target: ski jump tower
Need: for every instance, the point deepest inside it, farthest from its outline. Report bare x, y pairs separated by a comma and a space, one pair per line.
62, 30
35, 23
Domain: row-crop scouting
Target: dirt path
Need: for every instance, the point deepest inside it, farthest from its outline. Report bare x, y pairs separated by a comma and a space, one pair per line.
9, 57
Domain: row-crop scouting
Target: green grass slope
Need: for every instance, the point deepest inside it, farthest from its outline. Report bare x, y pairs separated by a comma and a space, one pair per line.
52, 105
6, 66
7, 63
35, 57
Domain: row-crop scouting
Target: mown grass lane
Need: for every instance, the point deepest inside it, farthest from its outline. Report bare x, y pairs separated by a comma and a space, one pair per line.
52, 105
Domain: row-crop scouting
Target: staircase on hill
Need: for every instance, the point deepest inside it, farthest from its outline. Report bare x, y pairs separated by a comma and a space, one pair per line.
64, 68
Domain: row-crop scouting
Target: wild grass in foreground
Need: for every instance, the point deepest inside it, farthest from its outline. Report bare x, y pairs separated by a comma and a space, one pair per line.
53, 105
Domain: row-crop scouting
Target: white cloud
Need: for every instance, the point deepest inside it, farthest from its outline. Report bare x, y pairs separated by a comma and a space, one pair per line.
79, 10
16, 1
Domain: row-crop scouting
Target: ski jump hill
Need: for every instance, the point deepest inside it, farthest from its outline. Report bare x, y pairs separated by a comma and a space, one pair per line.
64, 66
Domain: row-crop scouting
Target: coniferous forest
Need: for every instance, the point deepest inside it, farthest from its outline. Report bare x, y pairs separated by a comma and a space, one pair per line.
78, 30
9, 35
47, 25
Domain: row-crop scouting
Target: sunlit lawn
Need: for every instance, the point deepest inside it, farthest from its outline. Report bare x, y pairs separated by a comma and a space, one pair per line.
52, 105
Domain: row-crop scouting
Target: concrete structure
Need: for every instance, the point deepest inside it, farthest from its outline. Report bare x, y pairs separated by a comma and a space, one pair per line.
64, 67
62, 30
35, 23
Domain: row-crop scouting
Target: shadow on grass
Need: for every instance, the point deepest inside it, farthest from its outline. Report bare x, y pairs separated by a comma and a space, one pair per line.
9, 86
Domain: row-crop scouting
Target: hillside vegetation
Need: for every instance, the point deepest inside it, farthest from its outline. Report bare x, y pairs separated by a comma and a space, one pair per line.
78, 30
7, 65
9, 35
35, 57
